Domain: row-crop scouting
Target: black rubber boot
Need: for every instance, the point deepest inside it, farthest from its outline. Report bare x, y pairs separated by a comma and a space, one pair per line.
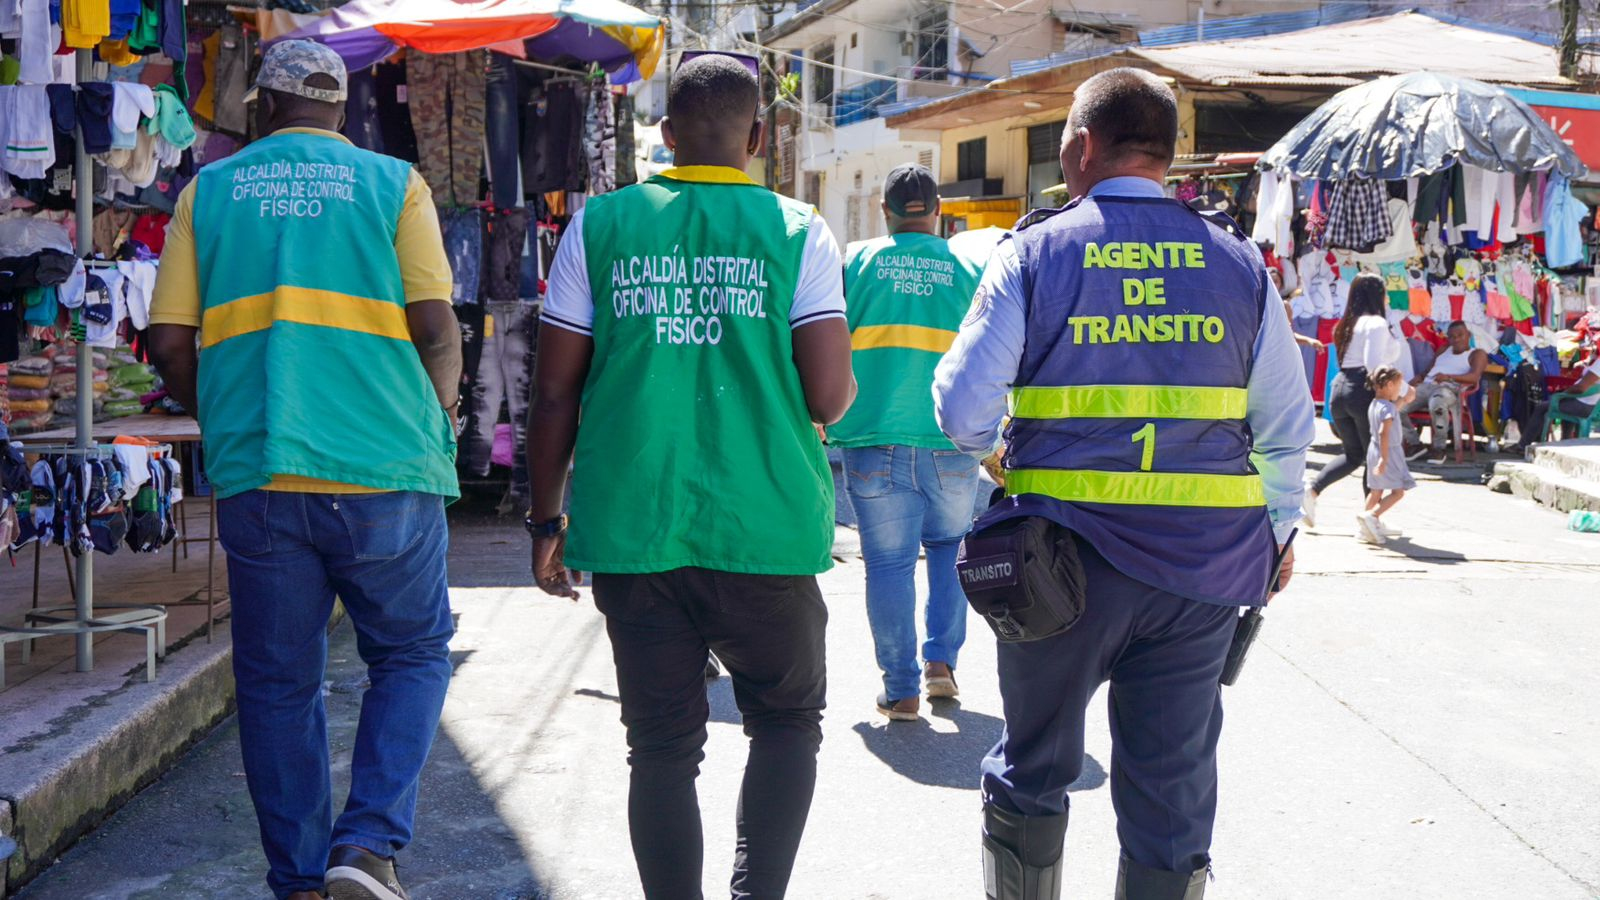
1136, 882
1022, 858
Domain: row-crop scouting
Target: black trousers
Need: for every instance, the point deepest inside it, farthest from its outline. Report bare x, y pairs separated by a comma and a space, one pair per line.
1539, 417
768, 630
1349, 399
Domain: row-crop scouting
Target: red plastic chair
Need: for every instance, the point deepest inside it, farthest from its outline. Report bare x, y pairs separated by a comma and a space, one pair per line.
1468, 434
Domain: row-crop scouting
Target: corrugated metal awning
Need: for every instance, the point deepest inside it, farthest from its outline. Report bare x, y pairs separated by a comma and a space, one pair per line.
1363, 49
1334, 56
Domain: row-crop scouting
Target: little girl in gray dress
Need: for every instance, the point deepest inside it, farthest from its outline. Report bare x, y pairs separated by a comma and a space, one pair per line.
1388, 476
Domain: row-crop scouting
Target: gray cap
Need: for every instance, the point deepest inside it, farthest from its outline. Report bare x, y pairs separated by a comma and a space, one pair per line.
287, 65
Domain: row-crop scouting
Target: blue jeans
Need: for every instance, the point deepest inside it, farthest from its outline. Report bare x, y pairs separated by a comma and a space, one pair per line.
906, 498
384, 556
503, 135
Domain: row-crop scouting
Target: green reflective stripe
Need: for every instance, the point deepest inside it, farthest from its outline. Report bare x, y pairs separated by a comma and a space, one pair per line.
1140, 488
1114, 401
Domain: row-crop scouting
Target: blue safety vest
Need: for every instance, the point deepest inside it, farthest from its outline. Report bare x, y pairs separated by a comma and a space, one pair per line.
1128, 413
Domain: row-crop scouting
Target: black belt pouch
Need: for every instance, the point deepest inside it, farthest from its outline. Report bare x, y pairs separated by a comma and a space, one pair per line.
1023, 575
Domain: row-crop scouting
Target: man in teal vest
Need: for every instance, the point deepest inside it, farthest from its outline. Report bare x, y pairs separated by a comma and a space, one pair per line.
697, 322
911, 489
312, 275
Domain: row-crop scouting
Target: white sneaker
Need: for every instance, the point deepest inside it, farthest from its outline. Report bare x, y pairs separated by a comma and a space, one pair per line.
1389, 531
1308, 510
1369, 530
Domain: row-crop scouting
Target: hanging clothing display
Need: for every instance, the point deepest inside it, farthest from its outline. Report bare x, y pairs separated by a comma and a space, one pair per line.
600, 140
627, 165
446, 95
552, 135
1275, 209
99, 503
1401, 244
1358, 215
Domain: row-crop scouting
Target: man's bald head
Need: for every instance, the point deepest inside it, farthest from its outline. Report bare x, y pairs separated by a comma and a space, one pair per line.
1129, 111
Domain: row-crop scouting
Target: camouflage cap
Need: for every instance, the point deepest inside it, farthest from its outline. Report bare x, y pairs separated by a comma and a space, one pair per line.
287, 65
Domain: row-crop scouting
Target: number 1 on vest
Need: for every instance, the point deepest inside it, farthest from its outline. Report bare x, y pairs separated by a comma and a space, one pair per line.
1148, 435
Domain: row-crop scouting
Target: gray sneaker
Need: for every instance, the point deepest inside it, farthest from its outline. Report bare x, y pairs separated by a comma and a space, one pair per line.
357, 874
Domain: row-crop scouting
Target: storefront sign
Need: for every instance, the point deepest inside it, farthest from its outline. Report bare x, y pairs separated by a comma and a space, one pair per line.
1576, 117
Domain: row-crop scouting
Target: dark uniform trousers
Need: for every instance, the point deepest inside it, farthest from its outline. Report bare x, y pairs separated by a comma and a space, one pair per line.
1163, 655
769, 632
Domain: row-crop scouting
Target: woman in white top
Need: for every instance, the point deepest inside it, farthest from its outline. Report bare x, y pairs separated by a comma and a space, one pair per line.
1364, 342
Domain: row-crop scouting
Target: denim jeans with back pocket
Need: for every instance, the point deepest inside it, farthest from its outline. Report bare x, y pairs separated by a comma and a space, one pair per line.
383, 555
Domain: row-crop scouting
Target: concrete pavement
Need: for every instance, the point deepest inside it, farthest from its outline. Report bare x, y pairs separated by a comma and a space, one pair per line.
1416, 721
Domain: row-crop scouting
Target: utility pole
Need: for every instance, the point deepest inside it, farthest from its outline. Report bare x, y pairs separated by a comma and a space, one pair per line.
769, 74
1568, 45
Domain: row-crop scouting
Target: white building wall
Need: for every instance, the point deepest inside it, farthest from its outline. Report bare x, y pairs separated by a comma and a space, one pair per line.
853, 162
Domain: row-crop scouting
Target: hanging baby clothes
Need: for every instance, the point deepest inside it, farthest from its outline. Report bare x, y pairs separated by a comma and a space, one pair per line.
129, 103
36, 43
26, 133
446, 96
84, 23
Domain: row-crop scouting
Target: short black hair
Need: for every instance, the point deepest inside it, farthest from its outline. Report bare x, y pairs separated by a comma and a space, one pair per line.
712, 91
1456, 324
1128, 110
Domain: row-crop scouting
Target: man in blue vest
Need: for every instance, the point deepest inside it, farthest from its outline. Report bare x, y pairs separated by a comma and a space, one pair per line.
1160, 415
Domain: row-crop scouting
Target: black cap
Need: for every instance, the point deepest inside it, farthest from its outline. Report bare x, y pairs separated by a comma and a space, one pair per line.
910, 191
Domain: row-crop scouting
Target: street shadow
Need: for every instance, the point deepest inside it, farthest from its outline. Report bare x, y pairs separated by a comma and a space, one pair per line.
193, 832
719, 695
1412, 550
940, 758
597, 694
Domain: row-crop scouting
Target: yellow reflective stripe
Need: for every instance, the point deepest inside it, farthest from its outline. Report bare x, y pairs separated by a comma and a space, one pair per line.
708, 175
910, 337
1113, 401
329, 309
1140, 488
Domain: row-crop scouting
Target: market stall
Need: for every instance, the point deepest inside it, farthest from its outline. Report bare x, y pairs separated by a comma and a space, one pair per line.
509, 109
93, 110
514, 112
1461, 197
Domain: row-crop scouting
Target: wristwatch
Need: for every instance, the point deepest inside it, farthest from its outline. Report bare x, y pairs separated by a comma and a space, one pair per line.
547, 528
460, 420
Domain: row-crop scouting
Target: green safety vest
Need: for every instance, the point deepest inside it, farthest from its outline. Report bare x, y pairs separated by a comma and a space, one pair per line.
695, 446
306, 361
906, 296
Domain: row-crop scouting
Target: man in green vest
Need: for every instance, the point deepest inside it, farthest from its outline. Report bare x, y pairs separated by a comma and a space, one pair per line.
313, 277
911, 489
697, 321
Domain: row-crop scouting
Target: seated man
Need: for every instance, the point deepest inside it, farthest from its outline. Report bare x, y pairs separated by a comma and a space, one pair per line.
1574, 401
1439, 392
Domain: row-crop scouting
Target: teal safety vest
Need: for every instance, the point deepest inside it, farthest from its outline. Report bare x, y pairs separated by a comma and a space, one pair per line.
906, 295
306, 362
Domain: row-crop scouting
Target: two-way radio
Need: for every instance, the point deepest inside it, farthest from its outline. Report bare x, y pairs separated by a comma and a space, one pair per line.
1244, 633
